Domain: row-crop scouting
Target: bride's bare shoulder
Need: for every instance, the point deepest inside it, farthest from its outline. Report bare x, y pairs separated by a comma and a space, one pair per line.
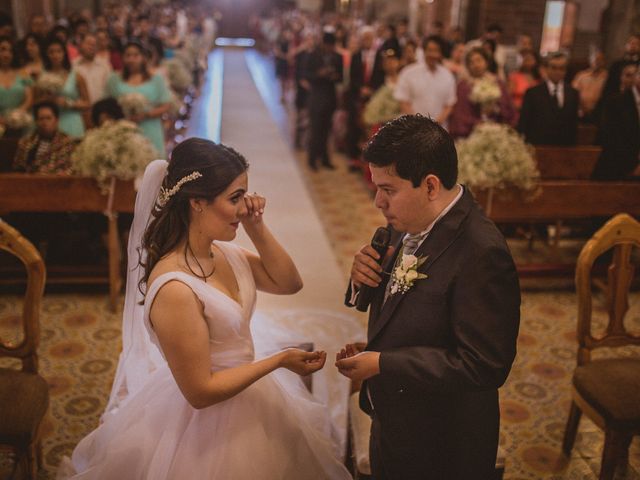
168, 263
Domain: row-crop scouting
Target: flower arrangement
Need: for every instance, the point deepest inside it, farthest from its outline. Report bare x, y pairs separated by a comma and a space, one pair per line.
406, 273
50, 83
485, 91
179, 77
382, 107
133, 104
18, 119
116, 149
495, 156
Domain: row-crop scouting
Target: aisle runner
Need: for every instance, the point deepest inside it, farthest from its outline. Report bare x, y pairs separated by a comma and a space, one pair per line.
316, 314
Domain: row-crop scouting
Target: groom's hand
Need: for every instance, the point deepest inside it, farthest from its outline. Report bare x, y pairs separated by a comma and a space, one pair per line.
360, 366
365, 269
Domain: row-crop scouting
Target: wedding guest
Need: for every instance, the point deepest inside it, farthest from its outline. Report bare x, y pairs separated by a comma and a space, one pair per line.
382, 106
549, 114
106, 52
107, 109
281, 54
631, 54
409, 53
61, 33
494, 35
455, 62
136, 78
145, 38
303, 88
38, 27
620, 134
47, 150
31, 56
628, 75
94, 70
73, 99
389, 41
527, 76
467, 113
6, 26
589, 84
427, 88
489, 46
15, 87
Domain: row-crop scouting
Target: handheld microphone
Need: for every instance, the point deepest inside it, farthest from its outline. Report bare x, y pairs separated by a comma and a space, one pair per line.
380, 243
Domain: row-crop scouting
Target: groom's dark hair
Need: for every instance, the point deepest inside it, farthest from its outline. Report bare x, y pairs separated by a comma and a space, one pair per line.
416, 146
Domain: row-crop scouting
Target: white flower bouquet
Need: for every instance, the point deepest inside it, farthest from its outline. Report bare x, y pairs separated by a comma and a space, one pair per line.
50, 83
116, 149
406, 274
133, 104
180, 78
485, 91
495, 156
18, 119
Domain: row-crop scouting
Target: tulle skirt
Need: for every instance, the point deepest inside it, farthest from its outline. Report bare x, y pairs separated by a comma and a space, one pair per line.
272, 430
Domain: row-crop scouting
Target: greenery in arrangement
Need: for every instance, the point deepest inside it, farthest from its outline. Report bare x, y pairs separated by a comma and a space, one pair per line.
495, 156
116, 149
382, 107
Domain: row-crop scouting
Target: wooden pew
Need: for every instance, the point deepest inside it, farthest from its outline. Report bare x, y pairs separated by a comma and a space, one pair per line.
587, 134
566, 163
8, 148
561, 200
51, 193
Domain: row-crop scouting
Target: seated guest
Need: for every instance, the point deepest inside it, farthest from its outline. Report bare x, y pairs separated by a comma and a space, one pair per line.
589, 84
107, 109
48, 150
527, 76
549, 114
467, 113
620, 134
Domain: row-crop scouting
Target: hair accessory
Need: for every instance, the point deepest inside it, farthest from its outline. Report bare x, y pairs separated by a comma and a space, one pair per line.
166, 194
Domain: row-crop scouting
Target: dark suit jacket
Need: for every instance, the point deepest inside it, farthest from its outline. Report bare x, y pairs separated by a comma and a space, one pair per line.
446, 346
323, 87
543, 123
356, 74
620, 133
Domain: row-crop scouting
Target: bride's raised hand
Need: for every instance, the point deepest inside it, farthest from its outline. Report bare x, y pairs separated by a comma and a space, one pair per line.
301, 362
255, 209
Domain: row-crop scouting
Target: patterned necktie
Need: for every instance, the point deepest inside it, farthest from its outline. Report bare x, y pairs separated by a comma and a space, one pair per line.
410, 244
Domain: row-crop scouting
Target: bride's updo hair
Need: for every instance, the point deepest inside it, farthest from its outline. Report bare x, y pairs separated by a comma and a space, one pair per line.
218, 166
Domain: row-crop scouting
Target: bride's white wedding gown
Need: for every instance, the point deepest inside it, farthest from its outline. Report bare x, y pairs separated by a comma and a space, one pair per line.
273, 430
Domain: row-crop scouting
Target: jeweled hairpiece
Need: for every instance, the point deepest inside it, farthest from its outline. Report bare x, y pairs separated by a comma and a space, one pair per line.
166, 194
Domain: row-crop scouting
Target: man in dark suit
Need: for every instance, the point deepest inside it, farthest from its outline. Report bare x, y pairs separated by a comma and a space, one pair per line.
549, 114
441, 340
323, 71
620, 133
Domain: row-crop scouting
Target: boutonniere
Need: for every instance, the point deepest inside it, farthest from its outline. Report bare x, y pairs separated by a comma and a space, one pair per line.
406, 273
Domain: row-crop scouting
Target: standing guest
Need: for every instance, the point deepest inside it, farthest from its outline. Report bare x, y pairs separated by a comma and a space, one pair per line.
359, 91
493, 34
489, 46
323, 72
73, 99
409, 54
106, 52
467, 114
61, 33
119, 38
620, 133
427, 88
382, 107
589, 84
631, 54
455, 62
527, 76
628, 75
38, 27
15, 87
47, 150
440, 345
80, 29
135, 78
281, 53
389, 41
549, 114
31, 56
303, 88
6, 26
402, 33
94, 70
143, 36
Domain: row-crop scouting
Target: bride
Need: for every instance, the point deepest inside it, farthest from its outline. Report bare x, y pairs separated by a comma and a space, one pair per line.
189, 399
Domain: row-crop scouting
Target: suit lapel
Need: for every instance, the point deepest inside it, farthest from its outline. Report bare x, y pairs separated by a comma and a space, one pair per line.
441, 237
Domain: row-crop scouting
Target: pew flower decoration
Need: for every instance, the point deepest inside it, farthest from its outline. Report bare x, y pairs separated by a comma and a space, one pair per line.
179, 76
485, 91
133, 104
18, 119
495, 156
114, 150
50, 83
406, 273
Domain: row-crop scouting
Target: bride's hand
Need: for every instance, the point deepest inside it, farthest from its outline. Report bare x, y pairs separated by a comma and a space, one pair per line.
255, 209
301, 362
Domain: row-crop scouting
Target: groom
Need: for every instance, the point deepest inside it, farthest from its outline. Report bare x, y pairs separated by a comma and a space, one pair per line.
442, 330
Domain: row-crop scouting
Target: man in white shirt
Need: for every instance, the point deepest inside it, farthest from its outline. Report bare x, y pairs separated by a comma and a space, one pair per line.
427, 88
96, 71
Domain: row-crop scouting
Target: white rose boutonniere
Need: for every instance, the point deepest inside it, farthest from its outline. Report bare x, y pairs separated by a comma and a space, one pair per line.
406, 273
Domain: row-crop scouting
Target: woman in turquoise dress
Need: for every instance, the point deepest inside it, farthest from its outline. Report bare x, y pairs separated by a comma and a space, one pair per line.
73, 99
135, 78
15, 88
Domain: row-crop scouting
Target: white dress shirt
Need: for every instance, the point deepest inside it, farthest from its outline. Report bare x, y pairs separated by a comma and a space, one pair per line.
96, 72
552, 87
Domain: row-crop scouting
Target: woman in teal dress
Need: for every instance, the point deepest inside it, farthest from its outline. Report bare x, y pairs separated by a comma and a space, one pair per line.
135, 78
73, 99
15, 88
